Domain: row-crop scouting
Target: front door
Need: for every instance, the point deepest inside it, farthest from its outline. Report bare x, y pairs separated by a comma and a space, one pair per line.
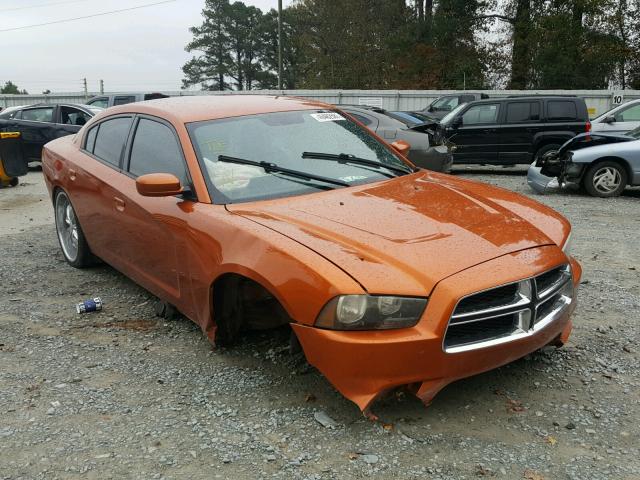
477, 138
518, 130
154, 229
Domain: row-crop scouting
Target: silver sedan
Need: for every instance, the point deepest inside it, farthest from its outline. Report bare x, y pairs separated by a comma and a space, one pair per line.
604, 164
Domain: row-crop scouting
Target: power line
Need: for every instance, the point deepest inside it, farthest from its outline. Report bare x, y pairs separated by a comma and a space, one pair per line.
86, 16
41, 5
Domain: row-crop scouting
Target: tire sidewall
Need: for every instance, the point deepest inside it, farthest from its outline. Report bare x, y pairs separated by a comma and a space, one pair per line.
590, 187
545, 149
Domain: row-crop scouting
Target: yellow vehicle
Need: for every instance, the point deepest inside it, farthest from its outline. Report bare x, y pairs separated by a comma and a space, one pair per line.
12, 159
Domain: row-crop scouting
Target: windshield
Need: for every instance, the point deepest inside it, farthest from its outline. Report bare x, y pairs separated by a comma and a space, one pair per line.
281, 139
445, 103
452, 114
635, 133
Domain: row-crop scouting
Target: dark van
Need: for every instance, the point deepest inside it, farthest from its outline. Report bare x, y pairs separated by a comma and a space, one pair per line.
512, 130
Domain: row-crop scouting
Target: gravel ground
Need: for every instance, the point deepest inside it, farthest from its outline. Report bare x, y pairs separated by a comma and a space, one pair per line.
124, 394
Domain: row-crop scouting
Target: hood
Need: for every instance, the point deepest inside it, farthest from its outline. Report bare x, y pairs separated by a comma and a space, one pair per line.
404, 235
592, 139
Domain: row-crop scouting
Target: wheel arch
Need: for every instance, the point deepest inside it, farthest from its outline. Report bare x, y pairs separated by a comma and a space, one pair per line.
610, 158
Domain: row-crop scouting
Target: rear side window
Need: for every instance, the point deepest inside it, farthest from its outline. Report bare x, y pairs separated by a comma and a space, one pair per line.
124, 100
110, 139
155, 149
91, 139
518, 112
38, 114
561, 110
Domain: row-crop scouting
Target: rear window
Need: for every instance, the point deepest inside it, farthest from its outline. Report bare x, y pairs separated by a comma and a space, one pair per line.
561, 110
111, 138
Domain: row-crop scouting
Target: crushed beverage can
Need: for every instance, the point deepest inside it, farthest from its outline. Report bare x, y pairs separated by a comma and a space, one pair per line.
91, 305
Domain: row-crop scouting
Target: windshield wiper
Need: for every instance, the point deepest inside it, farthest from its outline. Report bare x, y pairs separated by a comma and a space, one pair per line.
346, 158
273, 168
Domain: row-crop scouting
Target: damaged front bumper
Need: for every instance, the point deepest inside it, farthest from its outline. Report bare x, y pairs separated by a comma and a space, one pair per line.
364, 365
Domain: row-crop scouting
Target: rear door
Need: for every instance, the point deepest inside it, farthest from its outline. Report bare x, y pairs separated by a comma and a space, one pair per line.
99, 178
477, 139
520, 125
37, 127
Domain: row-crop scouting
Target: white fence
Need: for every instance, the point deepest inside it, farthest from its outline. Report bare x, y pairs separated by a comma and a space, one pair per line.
598, 101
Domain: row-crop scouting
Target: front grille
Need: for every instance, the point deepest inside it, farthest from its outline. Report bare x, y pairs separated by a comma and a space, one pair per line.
491, 298
509, 311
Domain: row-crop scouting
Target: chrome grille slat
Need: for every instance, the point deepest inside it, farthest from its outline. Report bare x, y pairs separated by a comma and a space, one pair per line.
527, 306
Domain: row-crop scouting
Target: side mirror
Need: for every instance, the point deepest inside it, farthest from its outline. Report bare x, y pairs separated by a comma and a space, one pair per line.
609, 119
158, 185
401, 147
457, 122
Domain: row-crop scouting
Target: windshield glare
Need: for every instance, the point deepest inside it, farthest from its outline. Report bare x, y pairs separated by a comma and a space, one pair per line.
281, 138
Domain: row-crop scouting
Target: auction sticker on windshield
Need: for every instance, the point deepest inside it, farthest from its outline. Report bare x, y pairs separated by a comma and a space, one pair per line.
327, 117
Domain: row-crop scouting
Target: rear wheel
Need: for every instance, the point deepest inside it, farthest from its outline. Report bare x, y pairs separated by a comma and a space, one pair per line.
72, 242
605, 179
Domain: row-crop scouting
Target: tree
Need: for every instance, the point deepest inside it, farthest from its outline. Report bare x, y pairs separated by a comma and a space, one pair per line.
11, 88
211, 40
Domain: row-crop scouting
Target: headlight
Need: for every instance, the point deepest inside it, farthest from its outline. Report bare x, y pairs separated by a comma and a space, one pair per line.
566, 248
367, 312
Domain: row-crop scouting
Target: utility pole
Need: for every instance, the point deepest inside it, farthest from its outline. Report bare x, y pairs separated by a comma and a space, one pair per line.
86, 91
101, 87
279, 44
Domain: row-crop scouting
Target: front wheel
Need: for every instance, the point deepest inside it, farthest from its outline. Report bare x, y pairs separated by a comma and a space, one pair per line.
605, 179
72, 242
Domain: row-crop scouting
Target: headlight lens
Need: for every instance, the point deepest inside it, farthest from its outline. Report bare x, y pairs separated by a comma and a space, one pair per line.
367, 312
566, 248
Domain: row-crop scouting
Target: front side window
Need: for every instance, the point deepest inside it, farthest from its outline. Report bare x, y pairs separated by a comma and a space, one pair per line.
478, 114
102, 102
561, 110
282, 138
110, 139
631, 114
73, 116
155, 149
43, 114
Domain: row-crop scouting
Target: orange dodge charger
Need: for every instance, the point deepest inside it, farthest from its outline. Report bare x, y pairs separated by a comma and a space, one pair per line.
256, 212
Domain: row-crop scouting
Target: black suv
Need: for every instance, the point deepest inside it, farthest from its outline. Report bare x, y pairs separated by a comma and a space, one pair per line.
506, 131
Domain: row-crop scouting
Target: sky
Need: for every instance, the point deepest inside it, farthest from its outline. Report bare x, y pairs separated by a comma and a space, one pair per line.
137, 50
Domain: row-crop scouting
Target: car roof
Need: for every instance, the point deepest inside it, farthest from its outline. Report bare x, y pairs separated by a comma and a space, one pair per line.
198, 108
525, 97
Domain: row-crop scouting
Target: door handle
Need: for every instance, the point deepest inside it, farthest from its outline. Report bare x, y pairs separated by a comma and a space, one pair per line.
489, 130
72, 175
119, 204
